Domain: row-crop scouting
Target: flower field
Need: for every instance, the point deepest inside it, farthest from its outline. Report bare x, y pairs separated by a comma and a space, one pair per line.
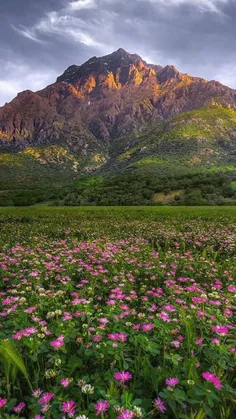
117, 313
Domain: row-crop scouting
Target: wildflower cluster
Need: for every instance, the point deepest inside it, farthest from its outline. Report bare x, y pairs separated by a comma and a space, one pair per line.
133, 326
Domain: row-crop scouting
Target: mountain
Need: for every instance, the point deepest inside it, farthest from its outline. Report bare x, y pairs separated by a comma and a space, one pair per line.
115, 115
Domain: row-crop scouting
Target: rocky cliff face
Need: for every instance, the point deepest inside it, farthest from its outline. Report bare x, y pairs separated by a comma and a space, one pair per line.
104, 99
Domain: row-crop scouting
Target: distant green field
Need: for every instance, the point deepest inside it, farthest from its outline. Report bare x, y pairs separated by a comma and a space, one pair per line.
135, 212
26, 223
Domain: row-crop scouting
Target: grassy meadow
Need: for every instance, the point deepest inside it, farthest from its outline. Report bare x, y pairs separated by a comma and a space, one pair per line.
117, 312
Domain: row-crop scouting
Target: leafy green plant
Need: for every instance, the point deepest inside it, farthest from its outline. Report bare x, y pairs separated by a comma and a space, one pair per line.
13, 364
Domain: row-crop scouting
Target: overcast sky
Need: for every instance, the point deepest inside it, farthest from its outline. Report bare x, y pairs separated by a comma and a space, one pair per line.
39, 39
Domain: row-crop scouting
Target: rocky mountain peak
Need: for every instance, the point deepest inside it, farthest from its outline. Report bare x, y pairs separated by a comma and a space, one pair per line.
116, 70
167, 73
118, 63
105, 98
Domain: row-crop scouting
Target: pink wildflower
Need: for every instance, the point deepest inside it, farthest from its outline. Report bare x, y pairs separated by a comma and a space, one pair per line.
123, 376
208, 376
176, 343
36, 393
101, 407
67, 316
97, 338
46, 397
45, 408
123, 337
29, 331
103, 320
18, 335
30, 310
199, 341
120, 337
69, 408
221, 330
159, 405
57, 343
172, 382
2, 402
19, 407
216, 341
147, 327
126, 414
169, 308
65, 382
164, 316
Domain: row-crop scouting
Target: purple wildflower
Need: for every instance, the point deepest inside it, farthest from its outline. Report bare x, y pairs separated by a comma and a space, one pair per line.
101, 407
208, 376
123, 376
159, 405
172, 382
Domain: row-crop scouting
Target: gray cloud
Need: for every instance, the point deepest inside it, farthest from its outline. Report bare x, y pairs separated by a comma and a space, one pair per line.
40, 39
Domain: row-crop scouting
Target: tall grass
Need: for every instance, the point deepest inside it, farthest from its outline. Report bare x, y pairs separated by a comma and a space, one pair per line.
13, 364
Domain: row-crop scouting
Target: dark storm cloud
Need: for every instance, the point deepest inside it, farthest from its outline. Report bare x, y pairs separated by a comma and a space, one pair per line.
39, 39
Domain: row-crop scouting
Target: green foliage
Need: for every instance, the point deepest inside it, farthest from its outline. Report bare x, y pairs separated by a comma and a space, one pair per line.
193, 152
13, 363
233, 185
139, 188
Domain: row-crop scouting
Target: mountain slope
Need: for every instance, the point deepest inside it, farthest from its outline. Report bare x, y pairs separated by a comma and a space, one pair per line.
105, 98
116, 115
205, 137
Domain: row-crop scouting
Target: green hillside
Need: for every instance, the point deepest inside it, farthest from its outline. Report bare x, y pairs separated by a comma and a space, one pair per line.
41, 173
202, 138
189, 159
